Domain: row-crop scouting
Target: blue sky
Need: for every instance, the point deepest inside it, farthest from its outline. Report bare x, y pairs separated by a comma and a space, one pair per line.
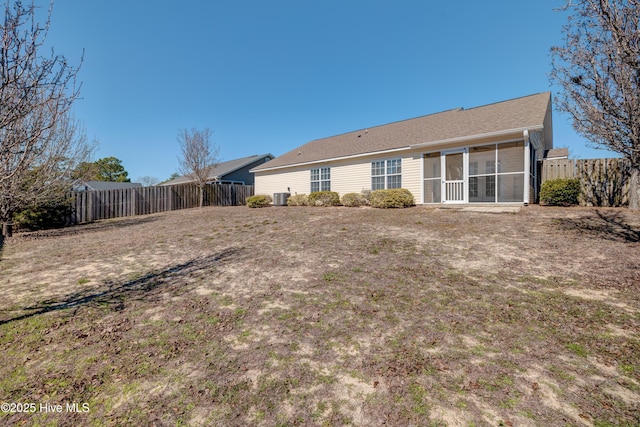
268, 76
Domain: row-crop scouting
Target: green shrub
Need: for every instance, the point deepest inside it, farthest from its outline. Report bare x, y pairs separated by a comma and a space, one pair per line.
323, 198
41, 217
353, 200
259, 201
392, 198
297, 200
560, 192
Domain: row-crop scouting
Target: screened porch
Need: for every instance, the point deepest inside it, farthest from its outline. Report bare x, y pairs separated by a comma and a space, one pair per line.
490, 173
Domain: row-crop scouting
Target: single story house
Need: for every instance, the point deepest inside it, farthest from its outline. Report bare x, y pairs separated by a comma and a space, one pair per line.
105, 185
486, 154
236, 171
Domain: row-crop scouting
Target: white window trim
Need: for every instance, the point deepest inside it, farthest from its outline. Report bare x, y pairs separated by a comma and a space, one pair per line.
385, 174
320, 179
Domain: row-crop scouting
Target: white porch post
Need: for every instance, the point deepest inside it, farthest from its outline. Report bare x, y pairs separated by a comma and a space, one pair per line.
527, 166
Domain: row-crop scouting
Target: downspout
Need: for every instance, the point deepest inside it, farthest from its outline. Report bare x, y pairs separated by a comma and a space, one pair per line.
527, 166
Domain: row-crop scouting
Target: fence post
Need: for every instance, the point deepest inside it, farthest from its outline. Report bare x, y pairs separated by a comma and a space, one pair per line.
90, 197
82, 210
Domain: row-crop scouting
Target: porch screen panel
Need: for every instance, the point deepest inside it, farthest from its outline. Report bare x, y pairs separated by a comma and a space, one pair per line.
455, 167
511, 172
482, 189
511, 187
432, 177
511, 157
482, 180
482, 159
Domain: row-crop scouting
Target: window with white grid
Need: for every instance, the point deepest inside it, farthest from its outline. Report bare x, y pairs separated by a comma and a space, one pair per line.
386, 174
321, 179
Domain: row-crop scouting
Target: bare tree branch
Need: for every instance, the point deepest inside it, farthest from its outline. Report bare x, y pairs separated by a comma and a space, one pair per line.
598, 69
39, 141
148, 181
199, 157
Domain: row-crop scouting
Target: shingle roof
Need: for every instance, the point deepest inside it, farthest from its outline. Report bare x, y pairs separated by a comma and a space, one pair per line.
521, 113
557, 153
222, 169
106, 185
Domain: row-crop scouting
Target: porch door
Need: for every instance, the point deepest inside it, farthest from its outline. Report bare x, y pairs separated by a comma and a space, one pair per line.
453, 177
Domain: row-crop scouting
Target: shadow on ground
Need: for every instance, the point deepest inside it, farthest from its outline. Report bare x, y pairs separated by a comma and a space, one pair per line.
85, 228
117, 294
604, 225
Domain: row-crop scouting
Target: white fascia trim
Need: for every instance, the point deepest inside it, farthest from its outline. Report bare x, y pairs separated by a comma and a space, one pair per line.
477, 136
334, 159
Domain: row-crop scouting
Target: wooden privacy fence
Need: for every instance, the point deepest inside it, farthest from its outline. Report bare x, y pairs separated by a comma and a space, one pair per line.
604, 182
104, 204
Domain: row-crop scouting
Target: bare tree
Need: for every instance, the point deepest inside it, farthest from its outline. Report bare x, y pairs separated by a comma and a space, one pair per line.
148, 181
598, 69
199, 157
47, 176
39, 141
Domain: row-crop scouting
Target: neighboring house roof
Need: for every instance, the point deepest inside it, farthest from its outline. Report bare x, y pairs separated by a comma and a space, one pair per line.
526, 113
222, 169
557, 153
105, 185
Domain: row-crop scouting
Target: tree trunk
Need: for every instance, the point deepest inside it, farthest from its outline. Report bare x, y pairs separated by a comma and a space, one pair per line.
634, 189
7, 229
6, 218
201, 195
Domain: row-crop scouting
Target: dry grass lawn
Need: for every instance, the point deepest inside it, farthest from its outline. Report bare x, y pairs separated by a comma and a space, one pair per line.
325, 316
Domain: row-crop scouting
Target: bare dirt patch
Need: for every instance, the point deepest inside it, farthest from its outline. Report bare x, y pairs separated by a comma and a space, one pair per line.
326, 316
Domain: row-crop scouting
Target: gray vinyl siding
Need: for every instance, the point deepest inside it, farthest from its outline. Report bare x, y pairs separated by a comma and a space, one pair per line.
243, 174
